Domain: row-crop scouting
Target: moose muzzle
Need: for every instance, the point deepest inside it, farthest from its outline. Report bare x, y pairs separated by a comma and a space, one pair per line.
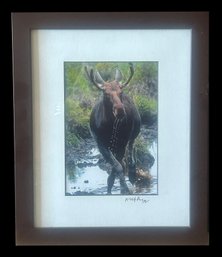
119, 110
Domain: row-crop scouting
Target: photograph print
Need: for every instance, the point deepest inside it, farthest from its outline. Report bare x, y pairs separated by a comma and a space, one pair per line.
111, 128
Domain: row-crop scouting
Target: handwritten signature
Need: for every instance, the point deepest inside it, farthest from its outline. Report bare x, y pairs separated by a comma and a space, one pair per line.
136, 199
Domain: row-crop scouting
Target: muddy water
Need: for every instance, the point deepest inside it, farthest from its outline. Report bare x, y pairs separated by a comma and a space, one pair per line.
87, 178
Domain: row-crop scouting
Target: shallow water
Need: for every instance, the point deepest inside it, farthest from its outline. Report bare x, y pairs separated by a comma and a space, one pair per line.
86, 177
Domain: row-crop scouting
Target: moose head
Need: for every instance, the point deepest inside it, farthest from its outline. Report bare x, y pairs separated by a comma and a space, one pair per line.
112, 90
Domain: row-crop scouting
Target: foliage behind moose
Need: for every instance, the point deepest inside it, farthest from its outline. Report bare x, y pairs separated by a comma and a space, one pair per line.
115, 123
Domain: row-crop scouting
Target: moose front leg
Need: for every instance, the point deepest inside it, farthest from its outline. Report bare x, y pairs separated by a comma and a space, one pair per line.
117, 170
131, 163
110, 182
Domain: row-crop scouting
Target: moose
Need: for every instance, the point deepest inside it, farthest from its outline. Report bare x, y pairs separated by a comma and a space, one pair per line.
115, 124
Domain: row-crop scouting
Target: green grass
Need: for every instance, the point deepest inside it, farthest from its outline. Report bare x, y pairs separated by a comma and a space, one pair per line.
145, 104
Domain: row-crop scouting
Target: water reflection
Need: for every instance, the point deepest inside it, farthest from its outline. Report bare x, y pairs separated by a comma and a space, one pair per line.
86, 177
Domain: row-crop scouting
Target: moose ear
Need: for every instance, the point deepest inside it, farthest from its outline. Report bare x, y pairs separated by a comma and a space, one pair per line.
98, 78
118, 76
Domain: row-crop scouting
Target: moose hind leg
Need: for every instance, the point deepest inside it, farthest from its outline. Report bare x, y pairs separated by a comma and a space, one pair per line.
121, 173
123, 186
117, 170
110, 181
131, 163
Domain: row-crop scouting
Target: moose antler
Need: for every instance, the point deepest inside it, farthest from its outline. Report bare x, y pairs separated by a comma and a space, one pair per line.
92, 78
130, 77
98, 78
118, 76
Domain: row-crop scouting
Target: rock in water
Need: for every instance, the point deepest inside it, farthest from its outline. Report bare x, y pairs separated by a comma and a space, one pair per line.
143, 178
146, 160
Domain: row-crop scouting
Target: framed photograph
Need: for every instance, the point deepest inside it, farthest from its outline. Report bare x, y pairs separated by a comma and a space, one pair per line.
123, 121
111, 123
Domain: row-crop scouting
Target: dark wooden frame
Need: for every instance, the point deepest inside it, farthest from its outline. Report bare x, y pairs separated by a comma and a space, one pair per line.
26, 233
